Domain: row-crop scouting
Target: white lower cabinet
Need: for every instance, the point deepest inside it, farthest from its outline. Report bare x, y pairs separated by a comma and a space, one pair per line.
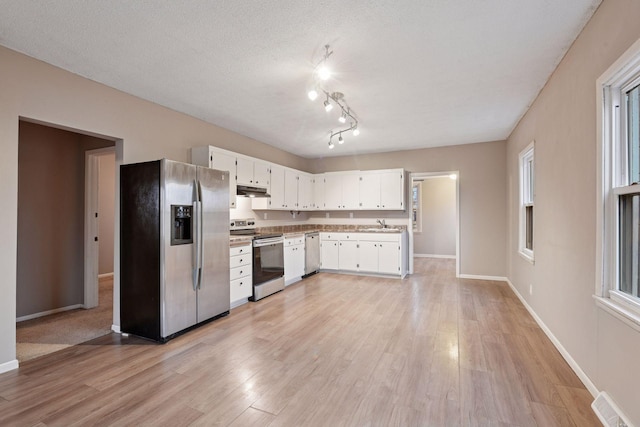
374, 253
293, 259
240, 274
381, 253
348, 255
329, 251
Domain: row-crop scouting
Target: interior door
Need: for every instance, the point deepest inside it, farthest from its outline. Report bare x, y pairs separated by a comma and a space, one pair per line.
214, 293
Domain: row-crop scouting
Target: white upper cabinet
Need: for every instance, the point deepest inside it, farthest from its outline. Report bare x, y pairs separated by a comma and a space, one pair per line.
342, 190
245, 171
392, 189
369, 191
318, 192
261, 174
210, 157
277, 188
285, 190
332, 191
254, 173
290, 189
382, 190
305, 192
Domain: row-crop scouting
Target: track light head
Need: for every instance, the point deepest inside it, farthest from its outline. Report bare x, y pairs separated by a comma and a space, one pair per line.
327, 106
342, 118
313, 94
356, 131
331, 145
340, 139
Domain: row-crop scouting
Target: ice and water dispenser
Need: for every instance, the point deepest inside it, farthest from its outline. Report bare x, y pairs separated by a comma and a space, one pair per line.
182, 228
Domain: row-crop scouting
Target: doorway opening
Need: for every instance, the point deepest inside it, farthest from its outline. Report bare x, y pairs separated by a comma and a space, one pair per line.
435, 220
52, 310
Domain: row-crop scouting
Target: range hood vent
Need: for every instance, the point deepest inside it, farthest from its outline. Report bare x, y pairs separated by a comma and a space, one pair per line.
247, 191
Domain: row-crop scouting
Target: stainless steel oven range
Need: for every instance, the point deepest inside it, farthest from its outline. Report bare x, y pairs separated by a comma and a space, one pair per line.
268, 265
268, 258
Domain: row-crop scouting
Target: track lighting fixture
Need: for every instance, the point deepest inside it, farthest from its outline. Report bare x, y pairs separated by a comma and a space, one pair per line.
327, 105
322, 73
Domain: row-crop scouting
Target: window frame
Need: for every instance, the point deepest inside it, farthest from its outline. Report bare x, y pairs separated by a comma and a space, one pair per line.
613, 182
526, 172
416, 207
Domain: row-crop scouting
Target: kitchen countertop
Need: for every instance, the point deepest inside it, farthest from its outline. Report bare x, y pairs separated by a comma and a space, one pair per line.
300, 230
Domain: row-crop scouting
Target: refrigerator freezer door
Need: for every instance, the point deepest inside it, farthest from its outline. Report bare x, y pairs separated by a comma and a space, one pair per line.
213, 293
178, 298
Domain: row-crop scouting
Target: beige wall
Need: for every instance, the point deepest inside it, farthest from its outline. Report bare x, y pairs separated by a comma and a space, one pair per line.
482, 187
50, 218
562, 121
38, 91
438, 205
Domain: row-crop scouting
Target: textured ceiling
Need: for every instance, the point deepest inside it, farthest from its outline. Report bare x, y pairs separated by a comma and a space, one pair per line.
420, 73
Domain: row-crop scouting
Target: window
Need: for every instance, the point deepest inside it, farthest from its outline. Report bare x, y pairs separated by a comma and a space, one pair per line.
416, 208
619, 188
527, 175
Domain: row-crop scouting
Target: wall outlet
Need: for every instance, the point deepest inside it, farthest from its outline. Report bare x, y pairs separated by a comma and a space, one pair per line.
530, 289
350, 214
265, 215
327, 215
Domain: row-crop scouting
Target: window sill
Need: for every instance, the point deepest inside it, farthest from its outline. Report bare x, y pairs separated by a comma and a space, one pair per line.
527, 256
621, 311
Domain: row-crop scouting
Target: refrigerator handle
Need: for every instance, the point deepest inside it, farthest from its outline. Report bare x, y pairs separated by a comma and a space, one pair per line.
196, 245
197, 267
200, 233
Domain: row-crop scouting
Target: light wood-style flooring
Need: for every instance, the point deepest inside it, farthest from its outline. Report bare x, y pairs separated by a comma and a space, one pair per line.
332, 350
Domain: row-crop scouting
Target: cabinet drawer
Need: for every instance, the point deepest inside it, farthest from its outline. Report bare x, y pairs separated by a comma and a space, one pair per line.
294, 241
380, 237
239, 272
240, 260
240, 288
240, 250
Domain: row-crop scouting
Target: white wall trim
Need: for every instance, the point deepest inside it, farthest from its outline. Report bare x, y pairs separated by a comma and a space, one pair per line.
563, 351
8, 366
479, 277
48, 312
105, 276
116, 329
434, 256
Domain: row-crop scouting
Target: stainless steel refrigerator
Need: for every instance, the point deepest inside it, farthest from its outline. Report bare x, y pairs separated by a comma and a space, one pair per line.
174, 247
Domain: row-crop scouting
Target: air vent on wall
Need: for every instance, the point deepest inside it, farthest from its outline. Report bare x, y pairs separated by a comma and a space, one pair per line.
608, 412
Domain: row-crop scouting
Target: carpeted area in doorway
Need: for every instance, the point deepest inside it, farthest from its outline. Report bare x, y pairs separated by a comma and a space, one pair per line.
44, 335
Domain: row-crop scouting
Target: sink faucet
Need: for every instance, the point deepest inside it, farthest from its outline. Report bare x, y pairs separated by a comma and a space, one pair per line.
382, 223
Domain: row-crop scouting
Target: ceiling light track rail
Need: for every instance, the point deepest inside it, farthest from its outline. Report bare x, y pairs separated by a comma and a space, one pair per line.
322, 73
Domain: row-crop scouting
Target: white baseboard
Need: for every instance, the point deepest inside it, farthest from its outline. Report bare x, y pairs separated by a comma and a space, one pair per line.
434, 256
116, 329
563, 351
8, 366
48, 312
105, 276
478, 277
238, 303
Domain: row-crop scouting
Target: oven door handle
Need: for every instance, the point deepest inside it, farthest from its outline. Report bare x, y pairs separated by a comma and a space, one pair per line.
266, 242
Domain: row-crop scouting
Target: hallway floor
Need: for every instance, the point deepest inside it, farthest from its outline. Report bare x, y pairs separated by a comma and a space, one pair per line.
48, 334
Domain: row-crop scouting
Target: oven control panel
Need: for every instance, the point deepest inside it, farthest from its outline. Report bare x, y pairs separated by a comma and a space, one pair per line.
243, 224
